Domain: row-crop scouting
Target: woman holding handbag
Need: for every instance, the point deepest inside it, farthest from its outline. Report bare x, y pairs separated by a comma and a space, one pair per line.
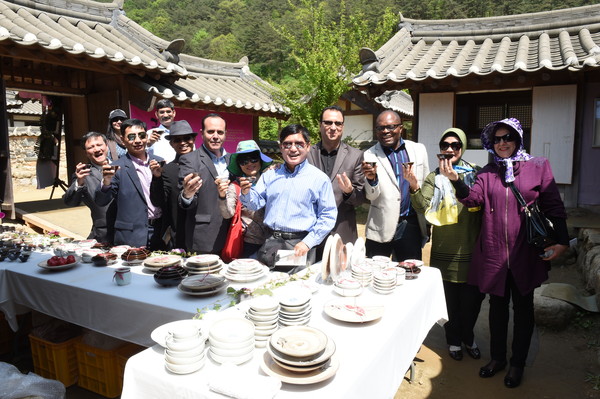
453, 237
248, 162
504, 264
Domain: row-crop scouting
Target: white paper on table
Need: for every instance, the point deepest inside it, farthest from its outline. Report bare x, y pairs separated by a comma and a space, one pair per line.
286, 257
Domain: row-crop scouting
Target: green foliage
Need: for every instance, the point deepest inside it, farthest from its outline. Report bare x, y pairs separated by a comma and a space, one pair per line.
594, 379
268, 128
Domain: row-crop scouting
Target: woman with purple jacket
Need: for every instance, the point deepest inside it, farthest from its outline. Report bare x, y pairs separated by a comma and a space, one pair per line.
504, 264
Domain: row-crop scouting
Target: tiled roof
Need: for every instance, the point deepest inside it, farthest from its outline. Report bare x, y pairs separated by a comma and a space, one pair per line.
398, 101
428, 50
102, 34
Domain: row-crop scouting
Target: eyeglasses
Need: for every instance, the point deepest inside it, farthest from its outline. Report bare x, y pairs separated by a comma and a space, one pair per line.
287, 145
244, 162
117, 119
444, 145
336, 123
212, 131
179, 139
132, 136
507, 138
387, 127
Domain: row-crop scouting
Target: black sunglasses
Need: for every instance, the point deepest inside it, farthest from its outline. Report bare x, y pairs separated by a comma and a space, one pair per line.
132, 136
179, 139
444, 145
246, 161
507, 138
387, 127
329, 123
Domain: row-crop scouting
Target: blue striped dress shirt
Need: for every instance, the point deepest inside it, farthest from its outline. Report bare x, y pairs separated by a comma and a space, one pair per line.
302, 200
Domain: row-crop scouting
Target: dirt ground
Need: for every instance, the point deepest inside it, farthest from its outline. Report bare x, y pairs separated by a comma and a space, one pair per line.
562, 364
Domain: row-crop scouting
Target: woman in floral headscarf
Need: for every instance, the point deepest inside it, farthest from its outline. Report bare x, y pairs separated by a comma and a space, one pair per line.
504, 264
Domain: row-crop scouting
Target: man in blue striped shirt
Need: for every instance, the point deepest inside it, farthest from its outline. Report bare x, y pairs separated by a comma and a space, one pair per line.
300, 208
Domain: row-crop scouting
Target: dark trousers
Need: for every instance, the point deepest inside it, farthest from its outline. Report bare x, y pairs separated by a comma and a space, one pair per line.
405, 245
251, 250
268, 251
463, 302
523, 324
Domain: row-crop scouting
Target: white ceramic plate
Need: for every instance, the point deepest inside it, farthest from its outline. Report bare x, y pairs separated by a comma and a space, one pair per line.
215, 291
353, 310
160, 333
246, 278
44, 265
232, 329
271, 368
232, 359
325, 260
358, 252
299, 341
264, 304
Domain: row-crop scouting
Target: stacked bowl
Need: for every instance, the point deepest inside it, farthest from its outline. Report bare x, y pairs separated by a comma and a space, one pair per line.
134, 256
363, 274
295, 307
245, 270
104, 259
347, 287
231, 340
384, 282
184, 351
170, 276
264, 314
204, 264
203, 285
154, 263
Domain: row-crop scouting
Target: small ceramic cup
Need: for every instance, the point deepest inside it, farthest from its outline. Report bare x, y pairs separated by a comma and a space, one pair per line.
122, 276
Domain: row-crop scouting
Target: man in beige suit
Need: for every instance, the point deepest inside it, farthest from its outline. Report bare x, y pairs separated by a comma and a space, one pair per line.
342, 163
393, 226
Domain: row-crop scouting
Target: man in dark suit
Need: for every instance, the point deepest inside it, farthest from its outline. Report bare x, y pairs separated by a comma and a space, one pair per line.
126, 182
165, 185
342, 163
86, 179
205, 228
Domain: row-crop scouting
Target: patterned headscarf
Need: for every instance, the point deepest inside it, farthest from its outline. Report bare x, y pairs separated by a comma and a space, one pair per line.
487, 139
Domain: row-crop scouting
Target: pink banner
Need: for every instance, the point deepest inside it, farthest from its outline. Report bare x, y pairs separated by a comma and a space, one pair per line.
239, 127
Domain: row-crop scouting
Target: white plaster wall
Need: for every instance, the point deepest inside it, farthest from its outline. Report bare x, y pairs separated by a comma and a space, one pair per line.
436, 114
359, 127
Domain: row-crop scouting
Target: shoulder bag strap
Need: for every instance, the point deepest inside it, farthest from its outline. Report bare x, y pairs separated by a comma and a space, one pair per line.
518, 195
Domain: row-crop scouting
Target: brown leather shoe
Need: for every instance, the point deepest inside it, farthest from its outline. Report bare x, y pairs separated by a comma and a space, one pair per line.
490, 369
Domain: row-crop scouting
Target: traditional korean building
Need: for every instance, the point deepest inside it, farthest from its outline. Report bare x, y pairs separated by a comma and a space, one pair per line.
542, 68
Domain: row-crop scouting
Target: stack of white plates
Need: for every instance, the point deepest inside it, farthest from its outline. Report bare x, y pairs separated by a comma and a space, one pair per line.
154, 263
363, 274
300, 355
347, 287
184, 352
231, 340
384, 282
264, 313
204, 264
377, 263
295, 307
203, 285
245, 270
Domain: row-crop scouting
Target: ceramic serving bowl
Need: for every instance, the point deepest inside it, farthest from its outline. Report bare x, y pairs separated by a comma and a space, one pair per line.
184, 368
88, 254
104, 259
134, 256
196, 351
170, 275
181, 346
236, 352
183, 359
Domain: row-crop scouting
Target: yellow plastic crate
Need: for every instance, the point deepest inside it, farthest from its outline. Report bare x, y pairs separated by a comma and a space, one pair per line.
55, 361
98, 370
124, 353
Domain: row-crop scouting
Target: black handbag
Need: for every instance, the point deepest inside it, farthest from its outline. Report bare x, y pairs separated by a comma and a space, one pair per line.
540, 231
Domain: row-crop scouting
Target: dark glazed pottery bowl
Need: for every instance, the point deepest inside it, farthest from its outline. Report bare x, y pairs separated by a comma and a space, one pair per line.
170, 275
104, 259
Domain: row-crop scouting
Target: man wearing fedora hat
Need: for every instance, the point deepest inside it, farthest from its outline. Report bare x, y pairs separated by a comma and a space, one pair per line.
165, 183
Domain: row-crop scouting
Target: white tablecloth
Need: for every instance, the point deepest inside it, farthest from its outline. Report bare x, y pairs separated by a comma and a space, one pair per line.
374, 357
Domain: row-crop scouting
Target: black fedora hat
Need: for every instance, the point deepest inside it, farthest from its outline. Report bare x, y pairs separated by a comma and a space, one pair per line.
180, 128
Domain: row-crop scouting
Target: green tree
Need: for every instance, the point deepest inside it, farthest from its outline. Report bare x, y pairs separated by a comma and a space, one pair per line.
325, 51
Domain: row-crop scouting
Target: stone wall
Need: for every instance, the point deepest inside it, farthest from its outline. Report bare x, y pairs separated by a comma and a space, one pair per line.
23, 158
588, 259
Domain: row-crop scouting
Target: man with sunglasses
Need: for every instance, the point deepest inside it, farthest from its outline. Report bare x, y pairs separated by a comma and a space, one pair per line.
393, 227
342, 163
205, 228
157, 138
165, 185
135, 220
299, 204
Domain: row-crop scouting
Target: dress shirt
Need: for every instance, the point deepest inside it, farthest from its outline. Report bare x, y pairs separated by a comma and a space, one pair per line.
220, 162
145, 175
327, 158
296, 201
397, 157
162, 148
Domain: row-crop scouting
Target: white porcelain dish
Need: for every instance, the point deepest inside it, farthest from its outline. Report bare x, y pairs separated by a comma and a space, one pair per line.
160, 333
232, 329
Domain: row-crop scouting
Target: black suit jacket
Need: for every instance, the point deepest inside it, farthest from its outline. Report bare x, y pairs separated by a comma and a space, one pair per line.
349, 160
205, 228
166, 189
86, 193
130, 222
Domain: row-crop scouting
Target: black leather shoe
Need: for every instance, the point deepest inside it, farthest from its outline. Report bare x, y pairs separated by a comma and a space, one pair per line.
475, 353
490, 369
456, 355
513, 377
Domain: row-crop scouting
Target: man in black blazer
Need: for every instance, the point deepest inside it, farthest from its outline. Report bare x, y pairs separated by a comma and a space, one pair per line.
342, 163
205, 228
86, 179
127, 183
165, 188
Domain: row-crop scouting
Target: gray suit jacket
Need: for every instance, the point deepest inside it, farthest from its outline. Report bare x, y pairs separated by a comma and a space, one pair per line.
349, 160
205, 228
75, 196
